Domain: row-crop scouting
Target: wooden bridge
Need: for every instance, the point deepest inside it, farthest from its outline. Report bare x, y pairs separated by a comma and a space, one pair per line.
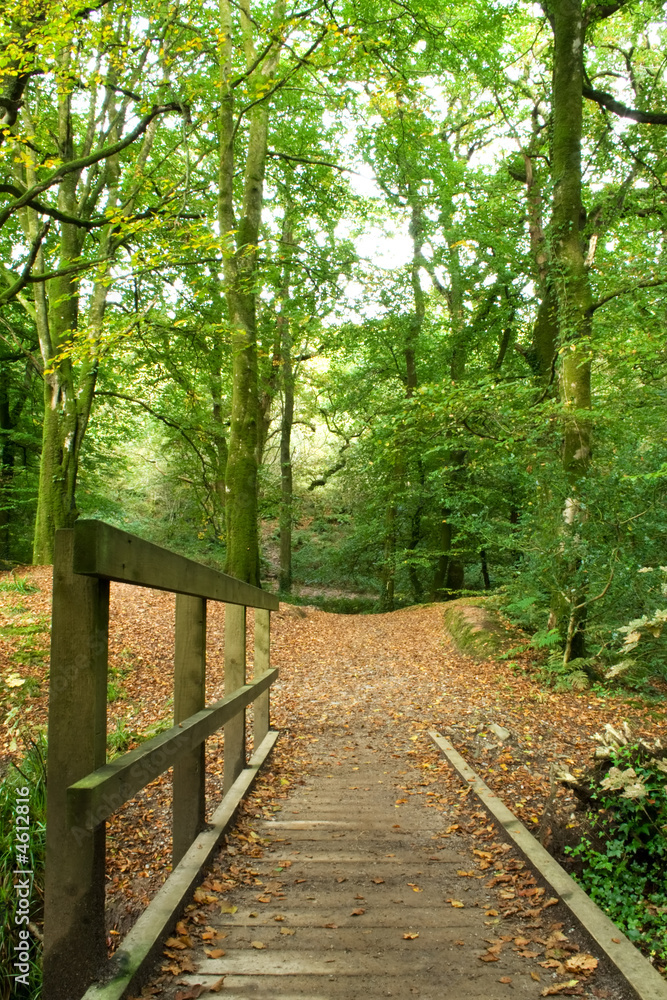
354, 897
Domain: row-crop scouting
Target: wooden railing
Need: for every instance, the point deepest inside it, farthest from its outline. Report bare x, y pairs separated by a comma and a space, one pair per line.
83, 790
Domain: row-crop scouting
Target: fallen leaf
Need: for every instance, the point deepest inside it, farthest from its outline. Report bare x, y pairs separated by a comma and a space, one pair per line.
201, 896
214, 952
505, 979
456, 902
263, 899
535, 976
173, 968
333, 927
491, 913
191, 994
459, 942
179, 942
378, 881
488, 956
357, 913
410, 936
226, 908
550, 991
287, 930
550, 902
257, 944
581, 963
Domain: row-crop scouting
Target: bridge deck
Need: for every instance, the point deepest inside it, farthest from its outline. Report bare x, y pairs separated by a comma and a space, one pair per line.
355, 892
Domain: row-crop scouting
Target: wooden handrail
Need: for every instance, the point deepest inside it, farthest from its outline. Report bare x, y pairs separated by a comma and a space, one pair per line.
102, 792
83, 790
105, 552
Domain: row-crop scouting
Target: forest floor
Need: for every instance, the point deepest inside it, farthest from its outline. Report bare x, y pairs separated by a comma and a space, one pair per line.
398, 674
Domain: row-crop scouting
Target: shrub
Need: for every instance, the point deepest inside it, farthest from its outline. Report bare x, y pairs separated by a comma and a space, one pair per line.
624, 852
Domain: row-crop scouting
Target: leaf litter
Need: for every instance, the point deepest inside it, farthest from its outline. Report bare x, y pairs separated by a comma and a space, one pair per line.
398, 669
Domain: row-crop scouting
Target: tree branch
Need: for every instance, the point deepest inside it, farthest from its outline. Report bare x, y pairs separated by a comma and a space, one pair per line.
324, 478
602, 10
608, 101
164, 420
86, 161
317, 163
24, 278
654, 283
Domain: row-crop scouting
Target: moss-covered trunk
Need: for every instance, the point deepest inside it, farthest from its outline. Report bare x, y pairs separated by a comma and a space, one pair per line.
286, 484
66, 408
569, 277
240, 286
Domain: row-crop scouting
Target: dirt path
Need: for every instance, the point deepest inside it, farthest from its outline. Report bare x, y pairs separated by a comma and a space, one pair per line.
363, 890
369, 798
375, 683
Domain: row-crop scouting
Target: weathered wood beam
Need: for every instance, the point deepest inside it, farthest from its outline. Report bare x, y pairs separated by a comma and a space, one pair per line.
108, 553
97, 796
74, 937
261, 707
189, 774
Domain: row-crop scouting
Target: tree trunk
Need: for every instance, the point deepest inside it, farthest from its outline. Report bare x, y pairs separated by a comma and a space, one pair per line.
570, 280
57, 314
240, 278
389, 564
285, 522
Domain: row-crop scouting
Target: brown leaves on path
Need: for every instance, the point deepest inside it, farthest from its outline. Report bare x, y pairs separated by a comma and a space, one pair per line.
395, 673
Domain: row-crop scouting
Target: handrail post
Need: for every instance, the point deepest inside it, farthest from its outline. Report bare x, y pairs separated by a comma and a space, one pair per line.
262, 664
235, 662
189, 774
74, 934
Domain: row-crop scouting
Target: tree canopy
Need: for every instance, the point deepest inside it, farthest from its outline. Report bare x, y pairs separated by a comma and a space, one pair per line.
360, 295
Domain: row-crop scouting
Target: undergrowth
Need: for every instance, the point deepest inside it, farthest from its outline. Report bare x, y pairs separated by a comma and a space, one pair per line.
623, 856
30, 774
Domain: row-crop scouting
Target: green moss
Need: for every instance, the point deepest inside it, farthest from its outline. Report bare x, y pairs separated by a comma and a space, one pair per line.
477, 629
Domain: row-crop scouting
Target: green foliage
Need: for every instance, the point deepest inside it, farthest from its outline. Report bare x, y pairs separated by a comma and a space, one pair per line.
17, 585
30, 773
622, 859
123, 737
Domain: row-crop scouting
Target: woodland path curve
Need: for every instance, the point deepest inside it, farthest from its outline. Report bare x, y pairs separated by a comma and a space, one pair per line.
361, 896
378, 875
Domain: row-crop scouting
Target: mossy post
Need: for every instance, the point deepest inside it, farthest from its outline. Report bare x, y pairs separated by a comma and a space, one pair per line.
189, 774
235, 667
74, 934
262, 664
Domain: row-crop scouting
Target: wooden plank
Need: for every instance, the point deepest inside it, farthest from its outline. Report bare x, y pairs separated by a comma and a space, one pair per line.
261, 707
143, 942
74, 938
235, 635
98, 795
189, 774
106, 552
642, 979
